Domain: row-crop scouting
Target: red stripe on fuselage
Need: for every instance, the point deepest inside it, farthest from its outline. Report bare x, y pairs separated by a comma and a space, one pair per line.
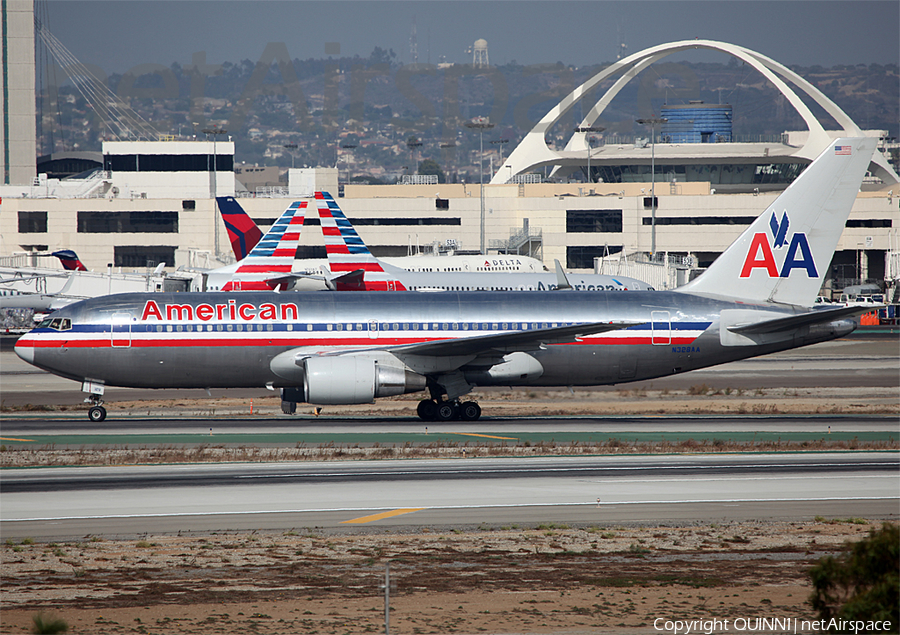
265, 338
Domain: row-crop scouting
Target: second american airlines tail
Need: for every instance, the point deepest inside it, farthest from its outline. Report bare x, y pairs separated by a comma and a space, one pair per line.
356, 268
349, 348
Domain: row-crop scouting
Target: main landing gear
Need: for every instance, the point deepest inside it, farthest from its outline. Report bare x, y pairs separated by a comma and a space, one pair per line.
431, 410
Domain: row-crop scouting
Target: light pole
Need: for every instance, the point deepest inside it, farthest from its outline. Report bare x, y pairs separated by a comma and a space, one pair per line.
652, 122
499, 142
290, 147
481, 124
214, 180
589, 130
412, 143
348, 146
215, 132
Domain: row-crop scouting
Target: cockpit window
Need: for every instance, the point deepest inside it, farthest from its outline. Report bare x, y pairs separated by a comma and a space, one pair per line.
57, 324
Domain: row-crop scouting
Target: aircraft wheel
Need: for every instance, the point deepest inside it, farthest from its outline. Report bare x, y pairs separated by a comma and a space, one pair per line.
427, 410
288, 407
97, 414
447, 411
469, 411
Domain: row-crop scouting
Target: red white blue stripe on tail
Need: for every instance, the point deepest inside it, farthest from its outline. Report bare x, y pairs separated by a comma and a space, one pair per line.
348, 254
274, 254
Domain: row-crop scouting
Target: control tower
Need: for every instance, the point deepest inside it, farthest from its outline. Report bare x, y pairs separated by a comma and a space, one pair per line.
17, 130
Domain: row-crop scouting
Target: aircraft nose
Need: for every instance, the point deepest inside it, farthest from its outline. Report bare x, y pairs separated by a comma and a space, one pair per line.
24, 349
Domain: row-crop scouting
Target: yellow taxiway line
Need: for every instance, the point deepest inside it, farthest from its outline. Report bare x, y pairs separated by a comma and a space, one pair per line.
374, 517
11, 439
485, 436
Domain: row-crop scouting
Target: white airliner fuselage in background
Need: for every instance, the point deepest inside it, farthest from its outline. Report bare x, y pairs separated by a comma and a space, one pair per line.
343, 348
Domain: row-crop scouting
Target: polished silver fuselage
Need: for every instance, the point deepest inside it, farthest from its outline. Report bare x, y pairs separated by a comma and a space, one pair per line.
204, 340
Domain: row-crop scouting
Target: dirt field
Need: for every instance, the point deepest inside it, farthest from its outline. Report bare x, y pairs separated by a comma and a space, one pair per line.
545, 579
505, 403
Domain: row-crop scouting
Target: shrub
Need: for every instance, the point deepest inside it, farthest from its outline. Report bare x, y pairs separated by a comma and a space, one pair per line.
863, 583
43, 623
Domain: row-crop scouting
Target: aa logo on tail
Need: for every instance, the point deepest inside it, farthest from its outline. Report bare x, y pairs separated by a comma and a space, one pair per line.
794, 254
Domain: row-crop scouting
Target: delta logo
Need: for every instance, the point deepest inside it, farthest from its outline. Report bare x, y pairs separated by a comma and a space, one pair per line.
795, 254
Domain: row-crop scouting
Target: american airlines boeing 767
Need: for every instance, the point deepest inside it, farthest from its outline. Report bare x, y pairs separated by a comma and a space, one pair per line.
346, 348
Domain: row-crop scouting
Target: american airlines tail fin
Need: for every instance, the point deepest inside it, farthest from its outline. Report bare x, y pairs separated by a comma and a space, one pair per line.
272, 255
242, 231
69, 260
784, 255
347, 253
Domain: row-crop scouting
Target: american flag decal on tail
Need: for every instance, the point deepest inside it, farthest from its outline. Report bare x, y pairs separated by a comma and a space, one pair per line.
842, 150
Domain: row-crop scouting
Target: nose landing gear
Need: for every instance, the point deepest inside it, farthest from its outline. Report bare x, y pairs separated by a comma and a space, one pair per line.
96, 412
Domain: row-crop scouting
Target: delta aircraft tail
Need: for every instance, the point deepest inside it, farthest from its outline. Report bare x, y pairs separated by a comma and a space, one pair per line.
785, 253
70, 260
242, 231
274, 254
351, 262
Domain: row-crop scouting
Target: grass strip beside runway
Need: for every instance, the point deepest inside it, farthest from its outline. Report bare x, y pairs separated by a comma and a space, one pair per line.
393, 439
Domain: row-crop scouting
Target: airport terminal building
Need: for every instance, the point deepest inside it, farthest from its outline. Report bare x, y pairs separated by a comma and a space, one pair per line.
154, 201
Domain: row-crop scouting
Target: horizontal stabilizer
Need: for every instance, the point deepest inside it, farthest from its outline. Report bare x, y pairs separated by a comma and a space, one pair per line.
350, 281
288, 279
779, 325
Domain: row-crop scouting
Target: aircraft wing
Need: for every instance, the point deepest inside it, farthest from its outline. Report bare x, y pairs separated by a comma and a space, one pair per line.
509, 342
790, 322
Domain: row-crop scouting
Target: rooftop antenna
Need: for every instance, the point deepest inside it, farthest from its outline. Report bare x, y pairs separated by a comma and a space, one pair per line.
622, 49
413, 43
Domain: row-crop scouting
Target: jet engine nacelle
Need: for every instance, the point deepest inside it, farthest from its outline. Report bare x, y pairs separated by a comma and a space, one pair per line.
516, 368
352, 379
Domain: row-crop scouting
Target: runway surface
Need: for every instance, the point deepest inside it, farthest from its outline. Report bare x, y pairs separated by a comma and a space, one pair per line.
70, 502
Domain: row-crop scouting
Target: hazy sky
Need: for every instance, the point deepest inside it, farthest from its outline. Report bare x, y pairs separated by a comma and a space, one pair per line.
117, 35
